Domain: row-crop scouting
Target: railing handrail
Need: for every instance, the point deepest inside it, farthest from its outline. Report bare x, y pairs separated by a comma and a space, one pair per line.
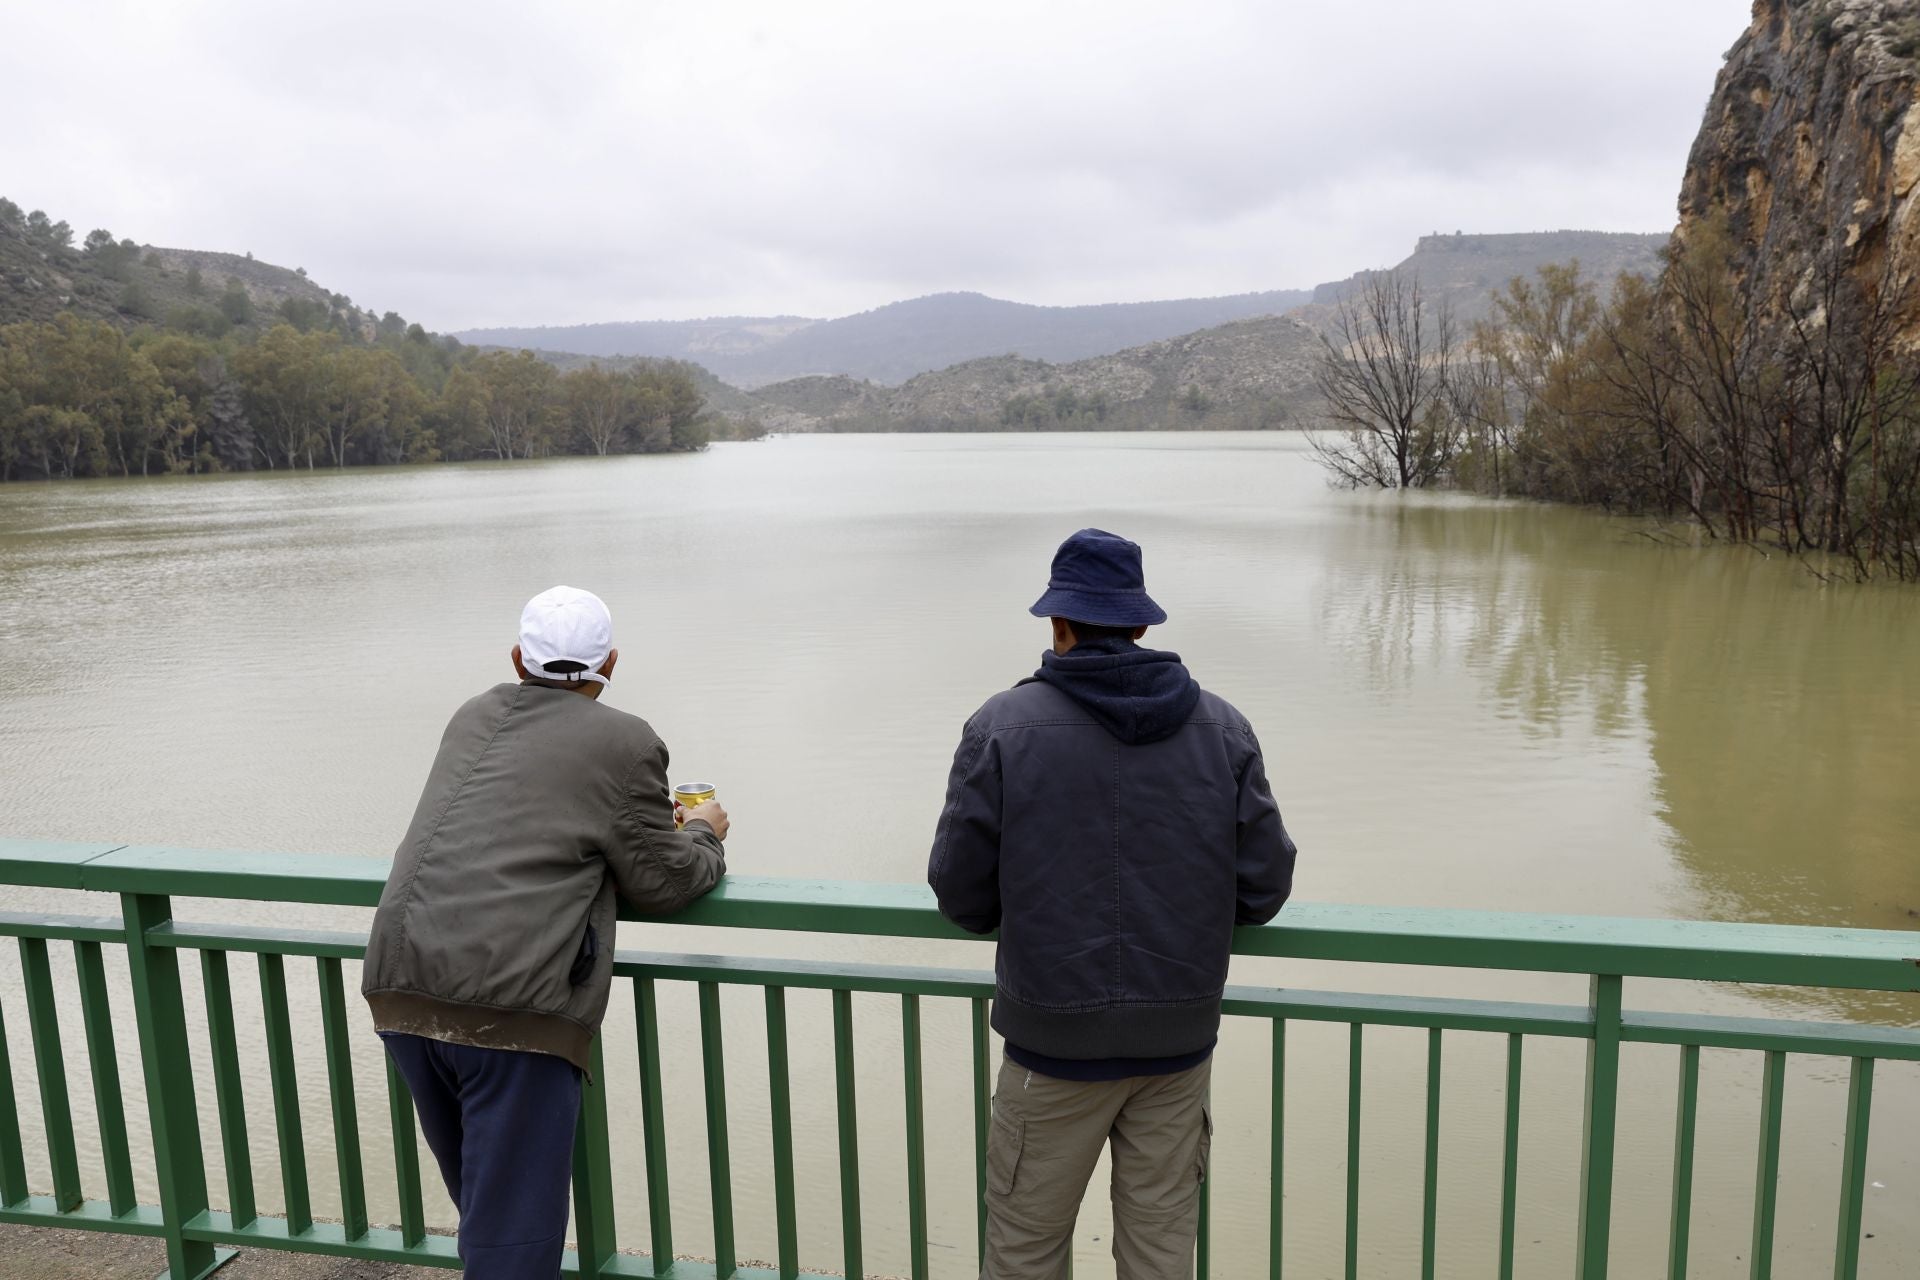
1797, 955
147, 878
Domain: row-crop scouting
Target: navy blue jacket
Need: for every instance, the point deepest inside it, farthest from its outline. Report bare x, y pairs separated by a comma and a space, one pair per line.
1113, 821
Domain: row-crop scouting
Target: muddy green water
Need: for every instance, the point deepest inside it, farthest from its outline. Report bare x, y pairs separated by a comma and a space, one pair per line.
1462, 703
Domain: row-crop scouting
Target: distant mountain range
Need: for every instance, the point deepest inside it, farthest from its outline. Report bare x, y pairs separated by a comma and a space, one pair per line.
893, 343
1247, 373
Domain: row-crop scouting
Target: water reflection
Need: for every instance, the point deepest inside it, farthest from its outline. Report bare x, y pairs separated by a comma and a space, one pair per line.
1485, 587
1778, 713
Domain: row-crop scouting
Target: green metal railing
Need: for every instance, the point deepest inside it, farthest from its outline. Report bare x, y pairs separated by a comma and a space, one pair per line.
197, 1235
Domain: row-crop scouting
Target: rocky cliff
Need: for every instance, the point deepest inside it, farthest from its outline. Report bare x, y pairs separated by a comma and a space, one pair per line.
1811, 151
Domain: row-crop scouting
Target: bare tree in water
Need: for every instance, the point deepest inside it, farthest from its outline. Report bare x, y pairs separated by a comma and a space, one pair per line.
1844, 455
1384, 374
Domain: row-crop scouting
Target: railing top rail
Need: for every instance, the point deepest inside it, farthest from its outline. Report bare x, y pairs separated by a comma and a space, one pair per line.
1869, 959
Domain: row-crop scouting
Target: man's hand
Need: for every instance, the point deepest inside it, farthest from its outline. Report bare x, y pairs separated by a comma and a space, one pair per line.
713, 813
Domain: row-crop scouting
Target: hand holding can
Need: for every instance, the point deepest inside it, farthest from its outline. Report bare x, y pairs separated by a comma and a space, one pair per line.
692, 795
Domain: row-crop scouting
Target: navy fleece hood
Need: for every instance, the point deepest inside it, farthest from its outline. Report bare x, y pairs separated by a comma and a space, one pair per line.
1139, 695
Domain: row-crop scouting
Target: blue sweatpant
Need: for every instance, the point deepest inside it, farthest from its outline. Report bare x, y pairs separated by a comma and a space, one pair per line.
500, 1123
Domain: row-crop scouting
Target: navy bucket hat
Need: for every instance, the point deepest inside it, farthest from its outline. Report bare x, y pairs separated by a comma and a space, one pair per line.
1097, 578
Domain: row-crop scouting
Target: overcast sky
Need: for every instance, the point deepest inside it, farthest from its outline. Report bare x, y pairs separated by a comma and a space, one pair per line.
470, 164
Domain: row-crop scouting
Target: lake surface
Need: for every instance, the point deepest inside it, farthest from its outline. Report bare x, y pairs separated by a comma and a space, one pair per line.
1462, 704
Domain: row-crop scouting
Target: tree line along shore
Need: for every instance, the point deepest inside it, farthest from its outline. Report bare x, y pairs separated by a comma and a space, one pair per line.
1672, 397
152, 367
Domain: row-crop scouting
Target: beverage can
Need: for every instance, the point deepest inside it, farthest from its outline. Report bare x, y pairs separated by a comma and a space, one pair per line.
691, 795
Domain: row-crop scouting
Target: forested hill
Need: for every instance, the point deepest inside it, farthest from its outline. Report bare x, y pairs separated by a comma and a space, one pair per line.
46, 270
890, 344
118, 358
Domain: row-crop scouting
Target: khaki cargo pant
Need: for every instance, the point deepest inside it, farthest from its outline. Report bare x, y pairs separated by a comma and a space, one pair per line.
1046, 1138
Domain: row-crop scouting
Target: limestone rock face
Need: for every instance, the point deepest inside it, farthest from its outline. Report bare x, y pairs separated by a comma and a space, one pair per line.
1811, 149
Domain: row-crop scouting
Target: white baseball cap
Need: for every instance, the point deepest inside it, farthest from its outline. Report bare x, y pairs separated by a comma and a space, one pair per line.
566, 634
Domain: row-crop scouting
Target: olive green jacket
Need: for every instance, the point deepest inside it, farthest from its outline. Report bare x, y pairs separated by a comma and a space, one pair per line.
496, 925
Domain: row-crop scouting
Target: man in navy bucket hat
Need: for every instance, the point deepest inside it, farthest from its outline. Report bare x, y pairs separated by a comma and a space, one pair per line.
1113, 821
1097, 579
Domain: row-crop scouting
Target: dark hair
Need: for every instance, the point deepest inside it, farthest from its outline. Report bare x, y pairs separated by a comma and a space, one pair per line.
1088, 632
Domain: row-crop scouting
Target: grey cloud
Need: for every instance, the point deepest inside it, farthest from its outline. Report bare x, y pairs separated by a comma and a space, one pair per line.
519, 164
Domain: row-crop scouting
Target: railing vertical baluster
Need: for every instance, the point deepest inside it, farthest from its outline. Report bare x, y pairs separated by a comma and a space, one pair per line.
286, 1094
719, 1163
916, 1136
780, 1115
1601, 1117
104, 1061
1510, 1157
167, 1062
1766, 1179
1685, 1115
228, 1099
1853, 1170
406, 1158
593, 1231
1431, 1199
653, 1124
13, 1160
1276, 1177
849, 1131
1353, 1150
56, 1110
346, 1113
982, 1117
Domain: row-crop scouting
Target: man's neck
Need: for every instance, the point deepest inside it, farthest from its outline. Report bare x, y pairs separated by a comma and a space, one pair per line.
586, 688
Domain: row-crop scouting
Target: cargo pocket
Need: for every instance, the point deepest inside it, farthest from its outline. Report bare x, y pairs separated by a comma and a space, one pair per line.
1206, 1144
1003, 1152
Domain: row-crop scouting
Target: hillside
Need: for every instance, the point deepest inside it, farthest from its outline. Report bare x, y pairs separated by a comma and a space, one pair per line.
893, 343
1248, 374
1810, 152
1467, 270
43, 271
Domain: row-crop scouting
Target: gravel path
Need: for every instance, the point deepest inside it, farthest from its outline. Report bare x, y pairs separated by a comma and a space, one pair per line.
47, 1253
51, 1253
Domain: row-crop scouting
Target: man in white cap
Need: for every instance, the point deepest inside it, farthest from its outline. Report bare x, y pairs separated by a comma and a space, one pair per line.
491, 955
